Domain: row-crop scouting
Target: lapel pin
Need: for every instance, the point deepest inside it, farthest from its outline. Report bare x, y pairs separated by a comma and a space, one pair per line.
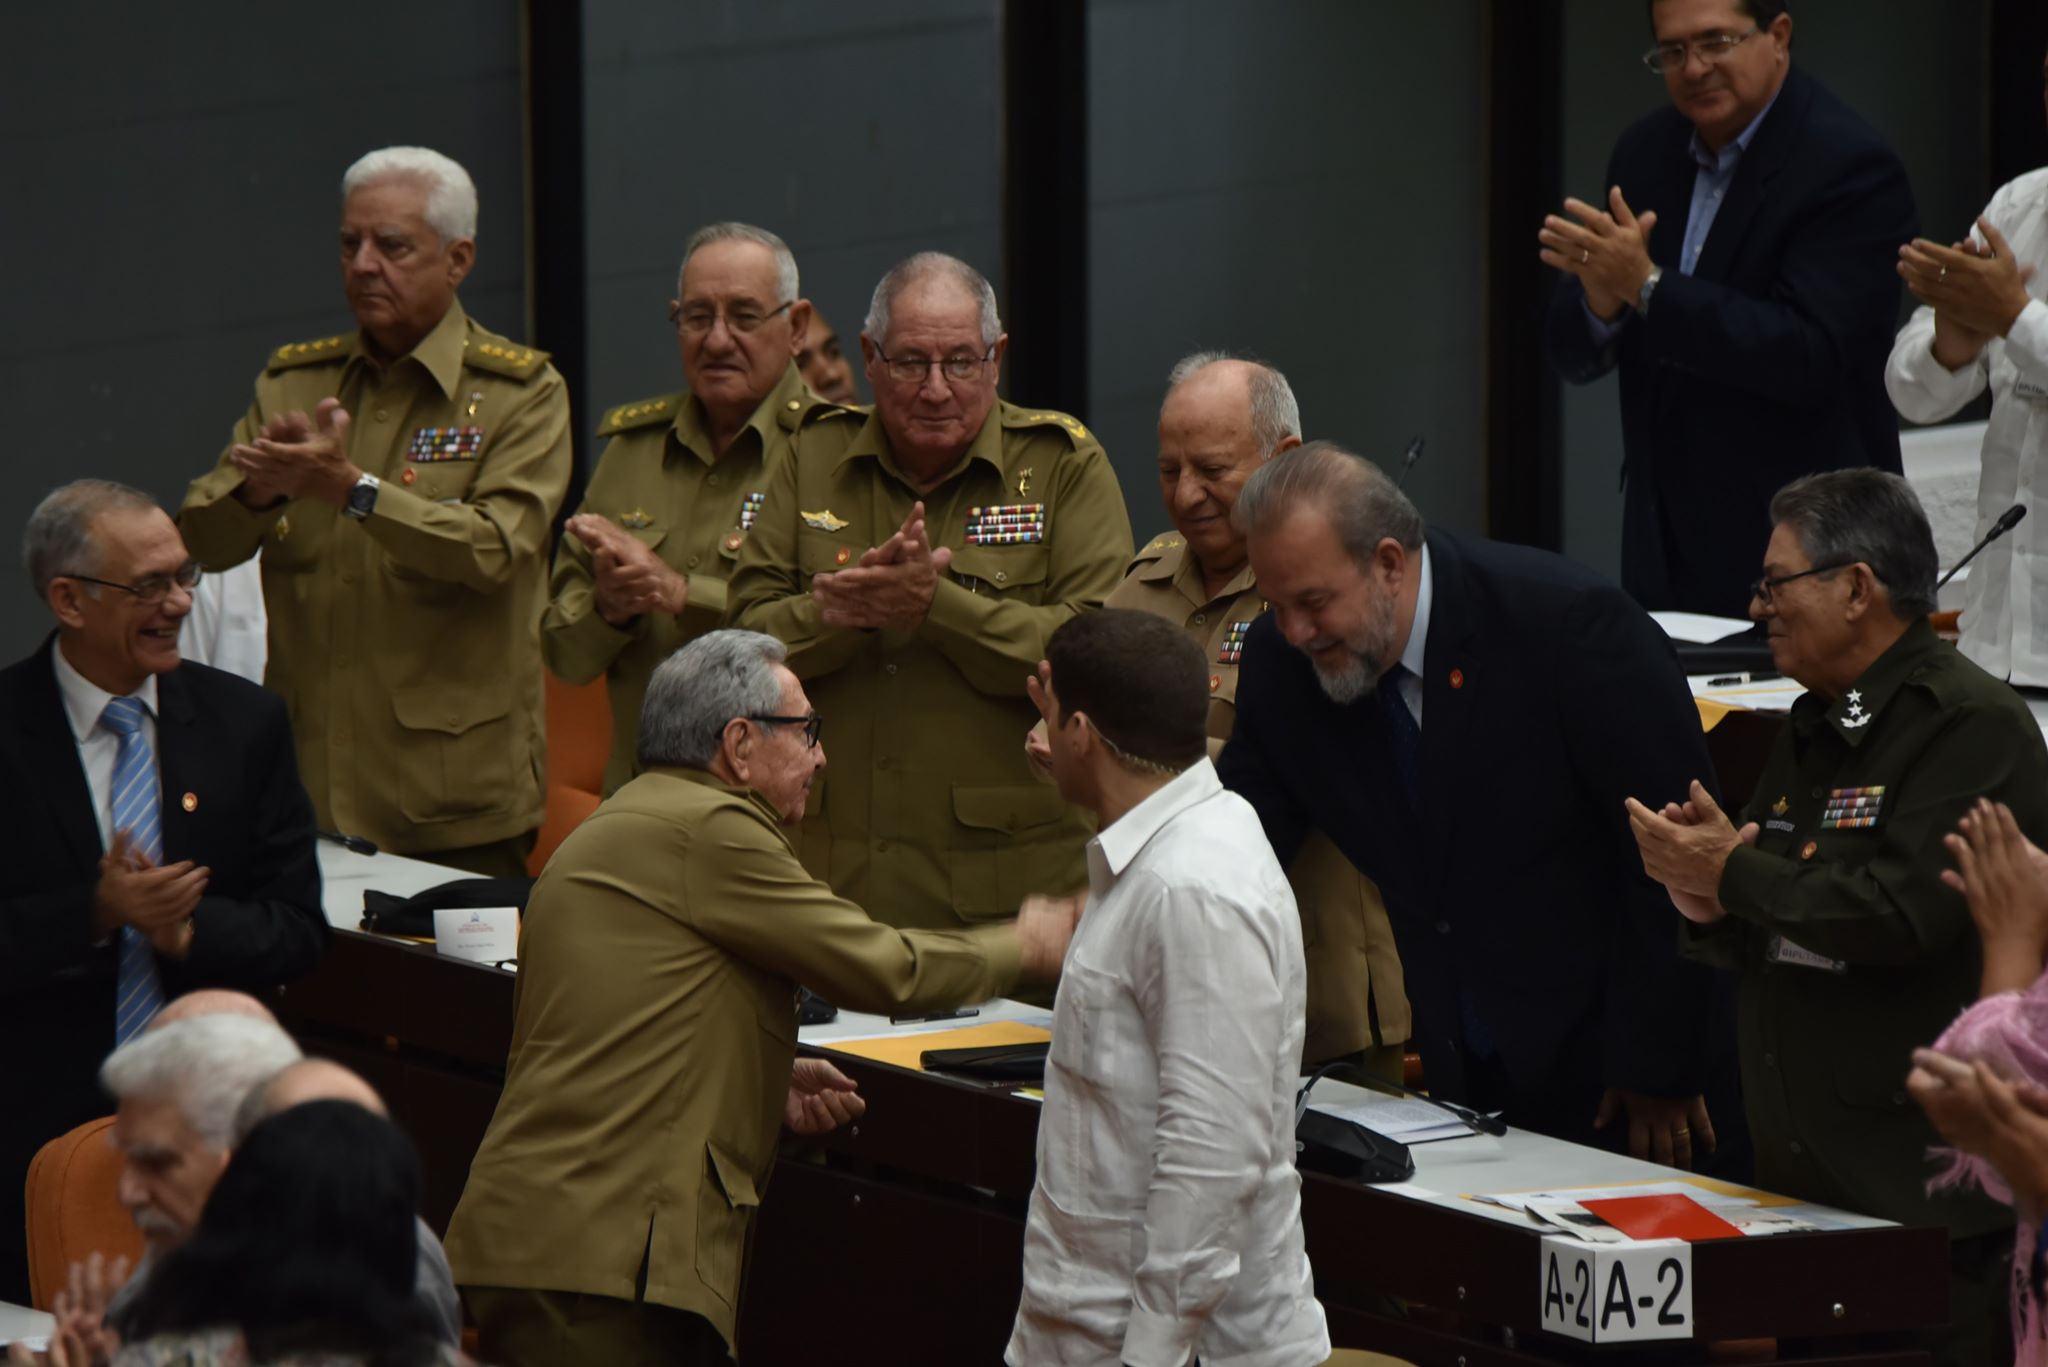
1457, 678
409, 476
843, 556
1807, 851
190, 802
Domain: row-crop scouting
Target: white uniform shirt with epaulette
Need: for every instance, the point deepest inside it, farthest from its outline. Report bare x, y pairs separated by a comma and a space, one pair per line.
408, 644
1356, 992
928, 816
657, 479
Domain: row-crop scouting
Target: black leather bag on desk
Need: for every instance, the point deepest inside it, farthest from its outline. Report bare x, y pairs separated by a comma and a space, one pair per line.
384, 914
1014, 1063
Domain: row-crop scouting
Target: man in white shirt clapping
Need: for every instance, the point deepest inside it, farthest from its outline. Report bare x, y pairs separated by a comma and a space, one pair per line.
1166, 1221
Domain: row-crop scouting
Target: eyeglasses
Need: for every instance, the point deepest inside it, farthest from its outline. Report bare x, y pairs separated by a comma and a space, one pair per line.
1712, 50
909, 371
155, 588
698, 322
1763, 589
813, 725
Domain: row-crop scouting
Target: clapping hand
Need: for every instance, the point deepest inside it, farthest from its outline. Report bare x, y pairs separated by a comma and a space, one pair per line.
821, 1098
2004, 877
892, 585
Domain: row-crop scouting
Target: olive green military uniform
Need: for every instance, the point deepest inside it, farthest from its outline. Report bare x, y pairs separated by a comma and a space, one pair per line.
1852, 951
659, 480
1356, 1001
408, 644
654, 1026
929, 816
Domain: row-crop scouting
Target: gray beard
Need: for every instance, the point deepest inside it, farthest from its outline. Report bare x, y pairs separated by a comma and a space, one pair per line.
1369, 646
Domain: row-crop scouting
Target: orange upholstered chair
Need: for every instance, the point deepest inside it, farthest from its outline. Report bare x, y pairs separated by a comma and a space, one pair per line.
74, 1208
579, 721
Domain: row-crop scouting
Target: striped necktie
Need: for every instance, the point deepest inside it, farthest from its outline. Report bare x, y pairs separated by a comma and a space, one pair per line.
138, 810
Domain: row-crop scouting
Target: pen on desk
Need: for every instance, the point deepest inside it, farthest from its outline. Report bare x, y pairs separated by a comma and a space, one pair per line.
349, 842
1731, 680
961, 1013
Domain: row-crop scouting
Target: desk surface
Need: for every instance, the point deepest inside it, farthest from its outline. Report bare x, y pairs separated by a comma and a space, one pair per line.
346, 875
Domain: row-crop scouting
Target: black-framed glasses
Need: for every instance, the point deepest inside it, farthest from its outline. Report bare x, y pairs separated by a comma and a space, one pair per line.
697, 322
156, 587
813, 725
1763, 589
909, 371
1713, 50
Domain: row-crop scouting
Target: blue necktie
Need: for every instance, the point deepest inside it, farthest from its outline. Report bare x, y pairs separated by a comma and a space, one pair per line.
138, 810
1404, 735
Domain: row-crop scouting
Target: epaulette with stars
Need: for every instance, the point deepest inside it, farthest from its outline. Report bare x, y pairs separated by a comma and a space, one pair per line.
294, 354
645, 413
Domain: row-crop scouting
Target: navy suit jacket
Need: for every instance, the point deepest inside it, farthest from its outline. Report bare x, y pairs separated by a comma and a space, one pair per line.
228, 744
1767, 362
1548, 697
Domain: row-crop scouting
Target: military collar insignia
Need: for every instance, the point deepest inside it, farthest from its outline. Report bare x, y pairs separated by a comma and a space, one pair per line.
1855, 716
635, 520
824, 520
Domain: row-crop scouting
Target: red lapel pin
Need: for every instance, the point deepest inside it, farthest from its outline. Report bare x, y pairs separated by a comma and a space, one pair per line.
1457, 678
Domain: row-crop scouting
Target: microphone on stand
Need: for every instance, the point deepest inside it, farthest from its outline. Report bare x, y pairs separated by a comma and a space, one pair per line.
2007, 520
1408, 459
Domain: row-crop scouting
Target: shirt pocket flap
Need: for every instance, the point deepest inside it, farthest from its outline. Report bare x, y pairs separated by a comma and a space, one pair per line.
1007, 807
1002, 567
450, 710
822, 553
734, 1181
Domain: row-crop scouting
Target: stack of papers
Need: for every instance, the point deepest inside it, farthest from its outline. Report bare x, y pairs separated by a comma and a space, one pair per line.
1694, 1209
1397, 1117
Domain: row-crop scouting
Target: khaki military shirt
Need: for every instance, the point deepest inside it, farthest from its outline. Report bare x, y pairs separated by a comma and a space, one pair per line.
1852, 951
929, 816
1356, 996
658, 479
408, 645
654, 1026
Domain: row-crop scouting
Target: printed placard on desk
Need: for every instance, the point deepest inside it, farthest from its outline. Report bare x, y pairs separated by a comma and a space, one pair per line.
1616, 1293
484, 935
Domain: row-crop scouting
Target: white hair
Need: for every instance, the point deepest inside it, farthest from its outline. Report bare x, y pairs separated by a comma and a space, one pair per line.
908, 272
205, 1066
785, 259
59, 538
695, 692
451, 195
1275, 415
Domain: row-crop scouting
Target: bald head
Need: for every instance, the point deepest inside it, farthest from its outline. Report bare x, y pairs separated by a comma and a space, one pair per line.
1222, 418
311, 1079
211, 1001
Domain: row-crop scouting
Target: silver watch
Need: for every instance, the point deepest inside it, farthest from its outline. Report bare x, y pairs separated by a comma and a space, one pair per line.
362, 499
1649, 287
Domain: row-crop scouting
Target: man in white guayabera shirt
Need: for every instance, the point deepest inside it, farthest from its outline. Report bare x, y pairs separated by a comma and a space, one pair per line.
1166, 1223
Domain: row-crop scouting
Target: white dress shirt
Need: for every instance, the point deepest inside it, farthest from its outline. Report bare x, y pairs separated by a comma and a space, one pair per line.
97, 745
1413, 654
1166, 1220
2005, 613
227, 627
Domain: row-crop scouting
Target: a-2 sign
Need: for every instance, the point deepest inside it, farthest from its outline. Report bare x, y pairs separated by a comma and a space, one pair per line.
1614, 1293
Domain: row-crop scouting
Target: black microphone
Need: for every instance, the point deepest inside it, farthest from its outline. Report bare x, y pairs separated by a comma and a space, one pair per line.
2007, 520
1413, 454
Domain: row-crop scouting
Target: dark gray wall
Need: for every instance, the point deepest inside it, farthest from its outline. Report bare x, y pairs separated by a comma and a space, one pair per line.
173, 175
1916, 75
860, 133
1285, 180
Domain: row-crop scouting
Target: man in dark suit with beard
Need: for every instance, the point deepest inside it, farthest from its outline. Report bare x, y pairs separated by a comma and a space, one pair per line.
159, 837
1464, 719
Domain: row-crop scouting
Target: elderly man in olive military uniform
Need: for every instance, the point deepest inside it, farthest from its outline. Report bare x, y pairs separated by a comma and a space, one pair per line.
915, 561
399, 483
1828, 899
1222, 418
679, 485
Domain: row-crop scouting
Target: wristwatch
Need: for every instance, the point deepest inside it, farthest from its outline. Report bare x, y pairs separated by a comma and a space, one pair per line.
362, 499
1642, 295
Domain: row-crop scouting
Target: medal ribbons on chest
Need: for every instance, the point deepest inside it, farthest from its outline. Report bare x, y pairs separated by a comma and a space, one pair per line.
445, 443
1232, 649
1006, 524
750, 508
1852, 809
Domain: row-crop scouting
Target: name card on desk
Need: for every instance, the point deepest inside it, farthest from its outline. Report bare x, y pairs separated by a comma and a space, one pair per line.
484, 935
1616, 1293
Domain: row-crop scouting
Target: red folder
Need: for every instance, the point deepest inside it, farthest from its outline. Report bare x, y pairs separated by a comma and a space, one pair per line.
1662, 1217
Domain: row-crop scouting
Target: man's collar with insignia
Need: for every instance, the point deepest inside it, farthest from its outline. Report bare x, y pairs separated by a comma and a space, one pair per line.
1852, 713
